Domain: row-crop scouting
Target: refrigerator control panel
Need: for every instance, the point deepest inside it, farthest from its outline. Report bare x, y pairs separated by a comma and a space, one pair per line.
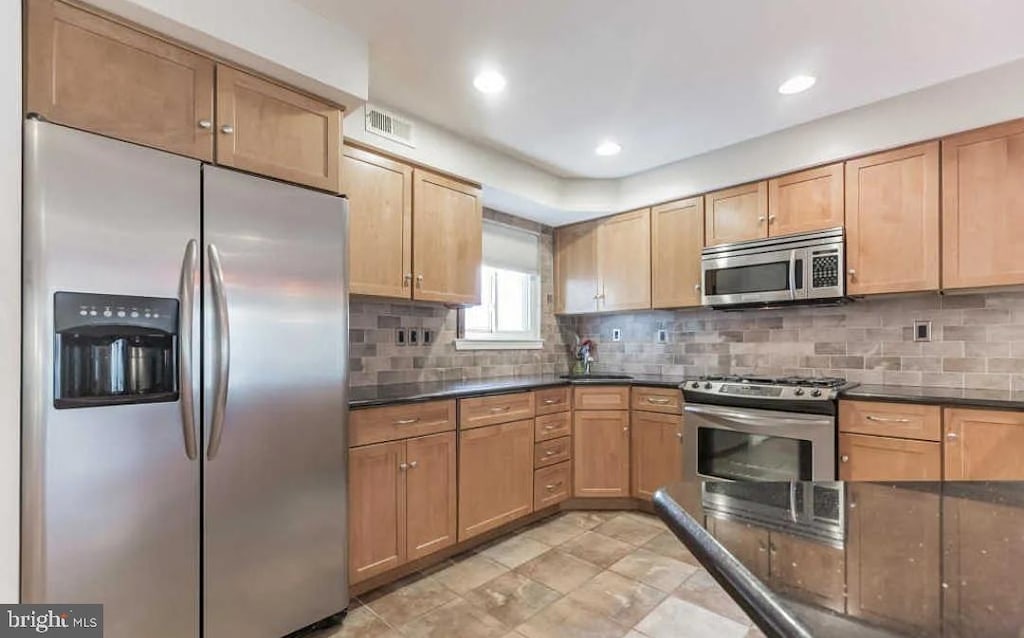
78, 309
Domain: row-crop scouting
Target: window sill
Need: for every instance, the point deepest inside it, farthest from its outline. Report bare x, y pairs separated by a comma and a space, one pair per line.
498, 344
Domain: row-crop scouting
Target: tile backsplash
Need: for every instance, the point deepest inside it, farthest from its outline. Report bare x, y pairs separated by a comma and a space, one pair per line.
977, 341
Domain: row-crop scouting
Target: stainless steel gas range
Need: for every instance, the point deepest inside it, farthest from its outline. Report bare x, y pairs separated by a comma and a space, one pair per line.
761, 429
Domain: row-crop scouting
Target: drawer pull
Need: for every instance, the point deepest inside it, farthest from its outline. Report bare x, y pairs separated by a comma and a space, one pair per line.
657, 401
550, 427
504, 408
551, 401
882, 419
550, 452
407, 421
552, 486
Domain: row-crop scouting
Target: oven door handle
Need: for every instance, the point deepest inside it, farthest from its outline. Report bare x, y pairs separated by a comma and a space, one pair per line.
792, 275
756, 418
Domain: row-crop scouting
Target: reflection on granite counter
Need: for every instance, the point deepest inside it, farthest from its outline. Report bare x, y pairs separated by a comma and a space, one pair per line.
910, 559
368, 396
963, 397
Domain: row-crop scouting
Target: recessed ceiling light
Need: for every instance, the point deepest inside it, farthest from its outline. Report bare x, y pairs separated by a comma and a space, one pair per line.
607, 147
489, 82
797, 84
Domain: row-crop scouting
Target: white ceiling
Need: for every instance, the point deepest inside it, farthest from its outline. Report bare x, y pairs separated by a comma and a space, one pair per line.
668, 79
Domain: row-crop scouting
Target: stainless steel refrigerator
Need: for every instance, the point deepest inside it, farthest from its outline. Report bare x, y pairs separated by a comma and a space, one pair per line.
185, 375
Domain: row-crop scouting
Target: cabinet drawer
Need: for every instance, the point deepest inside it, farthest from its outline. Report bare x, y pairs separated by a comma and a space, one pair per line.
376, 425
552, 485
883, 458
550, 452
921, 422
552, 400
502, 408
552, 426
601, 398
667, 400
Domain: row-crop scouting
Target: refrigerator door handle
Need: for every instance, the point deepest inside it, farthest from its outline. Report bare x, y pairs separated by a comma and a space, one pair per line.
221, 354
186, 312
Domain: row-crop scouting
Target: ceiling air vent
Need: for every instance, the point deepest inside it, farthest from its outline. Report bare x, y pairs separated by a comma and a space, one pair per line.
386, 124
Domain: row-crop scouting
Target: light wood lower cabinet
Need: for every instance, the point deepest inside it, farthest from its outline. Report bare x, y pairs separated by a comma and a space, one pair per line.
401, 502
747, 543
92, 73
496, 478
806, 201
893, 557
677, 237
601, 453
447, 239
656, 450
552, 485
983, 445
882, 458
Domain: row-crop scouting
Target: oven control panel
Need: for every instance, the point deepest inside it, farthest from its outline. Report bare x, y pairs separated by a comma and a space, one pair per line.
785, 389
751, 390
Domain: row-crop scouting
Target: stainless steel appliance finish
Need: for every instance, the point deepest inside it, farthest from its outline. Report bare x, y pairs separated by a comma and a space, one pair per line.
816, 510
803, 268
275, 388
768, 388
111, 498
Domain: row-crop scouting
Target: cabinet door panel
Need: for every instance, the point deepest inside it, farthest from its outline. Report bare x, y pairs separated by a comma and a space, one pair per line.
809, 570
880, 458
376, 509
806, 201
657, 451
495, 476
736, 214
430, 494
267, 129
892, 221
447, 239
749, 544
624, 261
677, 236
92, 73
982, 199
576, 269
379, 194
895, 582
984, 445
601, 453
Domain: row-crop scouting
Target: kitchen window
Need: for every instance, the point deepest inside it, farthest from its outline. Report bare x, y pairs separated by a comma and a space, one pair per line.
508, 317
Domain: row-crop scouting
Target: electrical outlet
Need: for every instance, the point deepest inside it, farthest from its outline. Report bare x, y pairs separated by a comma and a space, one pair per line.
662, 336
428, 336
922, 330
414, 337
616, 334
400, 336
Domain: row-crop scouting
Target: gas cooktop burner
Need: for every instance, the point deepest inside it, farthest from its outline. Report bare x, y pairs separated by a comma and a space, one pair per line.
810, 382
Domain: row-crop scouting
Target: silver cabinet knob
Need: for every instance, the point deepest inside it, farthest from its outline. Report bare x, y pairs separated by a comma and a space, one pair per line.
853, 273
205, 124
679, 435
403, 466
413, 464
227, 129
845, 458
771, 218
406, 279
952, 436
419, 281
760, 218
696, 286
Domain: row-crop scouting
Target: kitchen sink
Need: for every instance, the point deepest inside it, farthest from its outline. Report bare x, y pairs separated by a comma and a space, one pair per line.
595, 377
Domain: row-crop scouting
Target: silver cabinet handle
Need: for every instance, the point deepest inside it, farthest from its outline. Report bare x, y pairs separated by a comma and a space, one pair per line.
221, 353
413, 464
551, 486
657, 401
550, 401
205, 124
419, 281
406, 280
760, 218
771, 219
227, 129
186, 313
403, 466
550, 452
952, 436
845, 458
549, 427
504, 408
792, 274
407, 421
882, 419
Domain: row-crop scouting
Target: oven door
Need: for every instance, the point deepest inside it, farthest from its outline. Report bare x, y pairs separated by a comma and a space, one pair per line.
767, 277
745, 444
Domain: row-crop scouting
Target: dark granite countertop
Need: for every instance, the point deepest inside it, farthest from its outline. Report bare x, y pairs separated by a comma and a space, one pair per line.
369, 396
907, 559
941, 396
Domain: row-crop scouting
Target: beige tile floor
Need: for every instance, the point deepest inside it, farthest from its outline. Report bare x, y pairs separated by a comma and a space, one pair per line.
574, 575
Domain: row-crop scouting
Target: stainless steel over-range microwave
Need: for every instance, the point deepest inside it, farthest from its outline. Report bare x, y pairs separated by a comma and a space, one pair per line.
803, 268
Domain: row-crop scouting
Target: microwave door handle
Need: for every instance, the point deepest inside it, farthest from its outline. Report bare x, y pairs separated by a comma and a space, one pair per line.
186, 311
792, 275
221, 353
792, 501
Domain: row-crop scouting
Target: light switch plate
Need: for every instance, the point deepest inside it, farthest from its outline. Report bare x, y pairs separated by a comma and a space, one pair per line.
616, 334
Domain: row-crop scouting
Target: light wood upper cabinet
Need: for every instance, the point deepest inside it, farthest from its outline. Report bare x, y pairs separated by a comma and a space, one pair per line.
624, 261
447, 239
376, 509
983, 207
601, 453
677, 236
896, 582
983, 445
892, 221
736, 214
379, 194
656, 450
576, 268
430, 494
806, 201
92, 73
883, 458
495, 476
268, 129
